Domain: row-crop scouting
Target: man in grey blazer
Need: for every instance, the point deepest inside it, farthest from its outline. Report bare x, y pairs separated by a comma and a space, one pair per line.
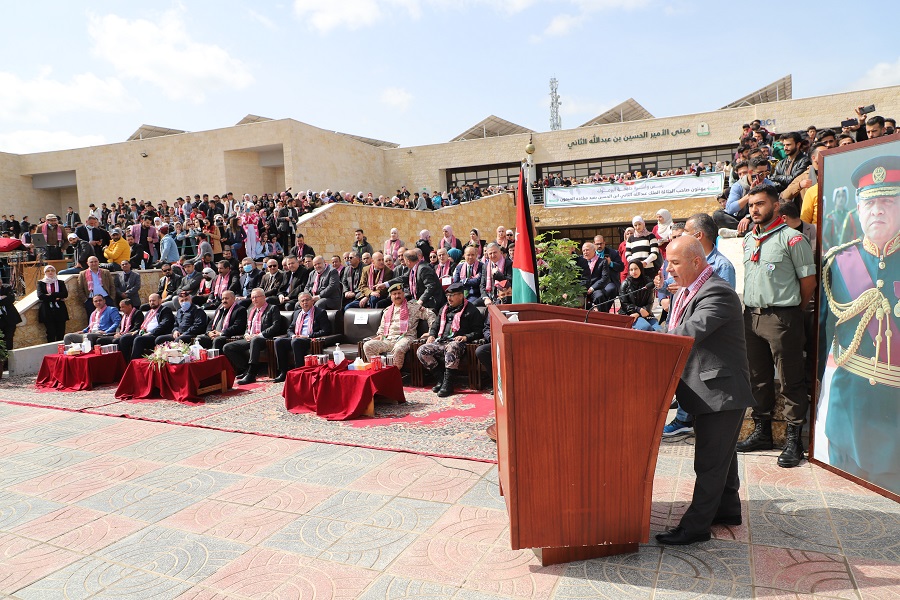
324, 285
714, 387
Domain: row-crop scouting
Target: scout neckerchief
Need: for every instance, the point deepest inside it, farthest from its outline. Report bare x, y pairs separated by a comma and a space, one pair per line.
389, 316
760, 237
457, 318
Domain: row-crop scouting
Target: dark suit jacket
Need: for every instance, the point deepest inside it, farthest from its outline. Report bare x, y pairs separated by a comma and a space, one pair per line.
129, 286
616, 265
305, 250
190, 283
272, 325
598, 278
248, 281
10, 315
99, 234
190, 322
271, 282
350, 279
166, 321
171, 284
292, 286
329, 284
506, 276
716, 377
321, 325
236, 326
137, 319
428, 286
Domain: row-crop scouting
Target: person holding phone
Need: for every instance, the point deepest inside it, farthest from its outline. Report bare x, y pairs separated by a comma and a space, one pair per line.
736, 207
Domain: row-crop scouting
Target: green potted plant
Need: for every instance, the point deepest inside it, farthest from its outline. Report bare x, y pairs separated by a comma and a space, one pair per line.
559, 276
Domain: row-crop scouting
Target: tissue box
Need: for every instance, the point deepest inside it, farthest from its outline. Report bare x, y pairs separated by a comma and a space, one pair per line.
108, 349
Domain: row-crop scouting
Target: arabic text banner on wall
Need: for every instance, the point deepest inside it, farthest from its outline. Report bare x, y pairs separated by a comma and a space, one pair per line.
642, 190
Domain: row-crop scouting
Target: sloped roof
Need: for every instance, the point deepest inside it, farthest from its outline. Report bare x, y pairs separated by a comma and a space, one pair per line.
150, 131
370, 141
491, 126
252, 119
630, 110
780, 89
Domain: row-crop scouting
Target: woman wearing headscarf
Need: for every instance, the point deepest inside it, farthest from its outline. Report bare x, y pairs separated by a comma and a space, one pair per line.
637, 297
643, 245
476, 242
393, 244
629, 231
449, 240
663, 229
52, 294
424, 243
502, 240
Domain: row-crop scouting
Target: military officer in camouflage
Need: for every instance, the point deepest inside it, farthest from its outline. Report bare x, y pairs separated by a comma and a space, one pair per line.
779, 280
862, 291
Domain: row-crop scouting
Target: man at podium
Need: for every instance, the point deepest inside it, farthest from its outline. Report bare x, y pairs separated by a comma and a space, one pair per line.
714, 387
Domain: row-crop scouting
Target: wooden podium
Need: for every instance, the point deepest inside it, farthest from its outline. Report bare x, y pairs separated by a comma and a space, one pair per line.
580, 411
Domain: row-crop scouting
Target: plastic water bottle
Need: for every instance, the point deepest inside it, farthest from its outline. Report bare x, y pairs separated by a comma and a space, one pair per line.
195, 351
338, 356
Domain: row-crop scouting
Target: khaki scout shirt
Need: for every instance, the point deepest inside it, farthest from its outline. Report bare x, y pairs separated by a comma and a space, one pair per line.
785, 258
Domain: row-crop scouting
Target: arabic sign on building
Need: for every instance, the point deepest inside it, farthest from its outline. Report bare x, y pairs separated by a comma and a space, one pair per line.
646, 135
641, 190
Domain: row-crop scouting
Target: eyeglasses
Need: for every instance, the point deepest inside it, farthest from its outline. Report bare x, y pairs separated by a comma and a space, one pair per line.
509, 235
167, 270
273, 266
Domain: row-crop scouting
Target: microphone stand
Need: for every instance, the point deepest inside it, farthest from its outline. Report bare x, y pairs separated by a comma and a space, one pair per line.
598, 305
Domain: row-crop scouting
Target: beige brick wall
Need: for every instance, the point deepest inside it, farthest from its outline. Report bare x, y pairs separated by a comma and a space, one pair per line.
330, 230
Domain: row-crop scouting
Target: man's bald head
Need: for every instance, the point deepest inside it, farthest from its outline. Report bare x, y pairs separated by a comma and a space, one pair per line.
687, 259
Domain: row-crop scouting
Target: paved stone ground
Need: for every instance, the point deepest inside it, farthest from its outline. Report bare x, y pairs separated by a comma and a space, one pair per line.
101, 507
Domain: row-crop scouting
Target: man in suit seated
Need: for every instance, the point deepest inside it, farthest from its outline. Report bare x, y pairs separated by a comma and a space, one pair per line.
419, 282
714, 387
595, 275
307, 322
459, 322
496, 282
248, 279
272, 280
295, 276
469, 272
168, 283
324, 285
228, 323
398, 327
131, 321
104, 320
158, 321
368, 295
350, 279
95, 280
191, 281
225, 280
612, 258
190, 321
264, 322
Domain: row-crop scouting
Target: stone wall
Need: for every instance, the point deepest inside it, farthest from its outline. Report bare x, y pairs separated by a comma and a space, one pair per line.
620, 213
330, 229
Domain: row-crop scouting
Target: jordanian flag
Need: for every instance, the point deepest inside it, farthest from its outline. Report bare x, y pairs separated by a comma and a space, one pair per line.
525, 279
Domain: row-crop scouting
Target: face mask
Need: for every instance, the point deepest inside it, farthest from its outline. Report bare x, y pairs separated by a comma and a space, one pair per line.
89, 226
248, 268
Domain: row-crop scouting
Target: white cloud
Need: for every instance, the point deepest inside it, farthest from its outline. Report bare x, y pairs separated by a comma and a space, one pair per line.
36, 100
397, 98
165, 54
325, 15
27, 141
881, 75
562, 24
263, 20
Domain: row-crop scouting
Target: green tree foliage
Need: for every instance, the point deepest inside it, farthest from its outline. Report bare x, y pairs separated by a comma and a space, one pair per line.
558, 274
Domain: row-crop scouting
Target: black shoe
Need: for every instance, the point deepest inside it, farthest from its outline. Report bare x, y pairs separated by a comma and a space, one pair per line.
674, 405
249, 376
759, 439
280, 377
733, 520
793, 448
439, 373
446, 388
679, 537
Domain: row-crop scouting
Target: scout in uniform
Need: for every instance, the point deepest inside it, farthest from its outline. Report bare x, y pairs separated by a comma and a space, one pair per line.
862, 324
779, 280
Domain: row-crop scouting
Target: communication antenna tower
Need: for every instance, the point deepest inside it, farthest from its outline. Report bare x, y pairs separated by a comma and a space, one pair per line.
555, 121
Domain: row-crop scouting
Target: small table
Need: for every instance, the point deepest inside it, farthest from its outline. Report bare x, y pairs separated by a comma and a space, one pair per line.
80, 372
183, 383
337, 394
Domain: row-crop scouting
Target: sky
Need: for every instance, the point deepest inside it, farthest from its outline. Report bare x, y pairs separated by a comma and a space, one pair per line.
413, 72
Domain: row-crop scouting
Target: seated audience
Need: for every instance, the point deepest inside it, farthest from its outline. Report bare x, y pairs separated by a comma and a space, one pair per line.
307, 323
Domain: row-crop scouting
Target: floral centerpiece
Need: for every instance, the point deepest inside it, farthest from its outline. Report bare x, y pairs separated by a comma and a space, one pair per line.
171, 352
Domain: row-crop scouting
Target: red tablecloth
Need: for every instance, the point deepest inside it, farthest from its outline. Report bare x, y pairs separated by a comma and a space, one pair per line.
172, 382
337, 394
79, 372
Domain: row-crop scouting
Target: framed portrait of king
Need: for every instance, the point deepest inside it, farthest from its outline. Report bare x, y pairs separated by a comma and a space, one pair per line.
856, 430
